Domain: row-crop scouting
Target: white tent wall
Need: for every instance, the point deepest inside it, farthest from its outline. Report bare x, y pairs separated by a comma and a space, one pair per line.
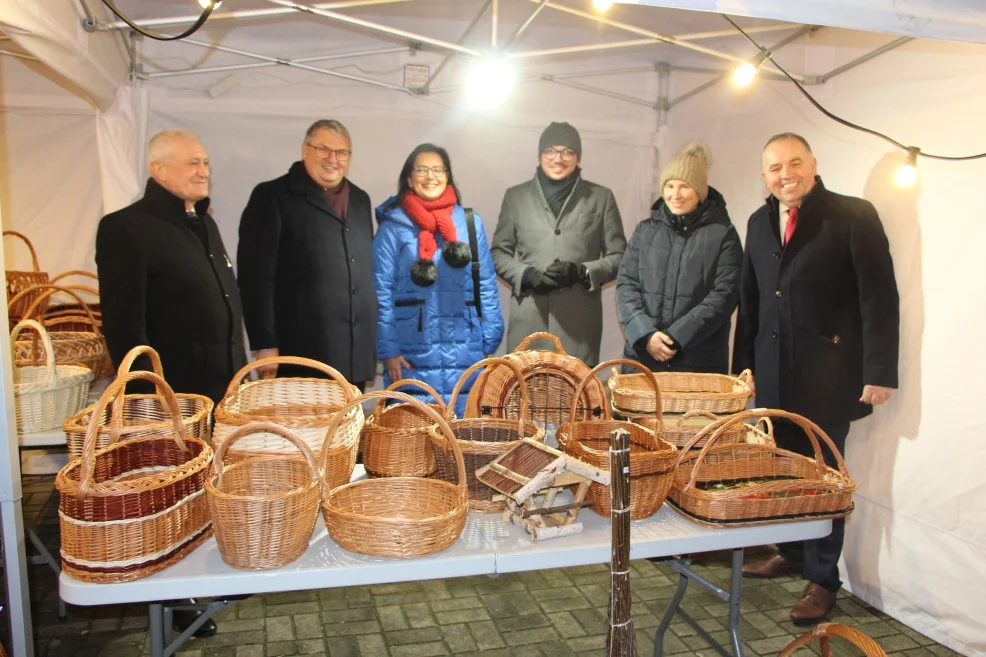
916, 544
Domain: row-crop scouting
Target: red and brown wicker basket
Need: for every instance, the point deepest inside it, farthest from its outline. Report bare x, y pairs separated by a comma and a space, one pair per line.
652, 459
395, 438
21, 280
398, 516
682, 392
136, 507
263, 508
749, 483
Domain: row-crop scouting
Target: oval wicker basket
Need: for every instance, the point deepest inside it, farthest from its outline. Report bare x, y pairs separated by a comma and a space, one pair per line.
750, 483
21, 280
652, 459
304, 405
395, 437
263, 508
85, 347
682, 392
482, 439
140, 415
398, 516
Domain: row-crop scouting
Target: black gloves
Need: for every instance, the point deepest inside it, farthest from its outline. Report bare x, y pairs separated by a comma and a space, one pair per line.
538, 282
556, 276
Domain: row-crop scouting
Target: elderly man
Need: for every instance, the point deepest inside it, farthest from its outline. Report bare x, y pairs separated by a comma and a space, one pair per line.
818, 325
306, 262
558, 240
165, 281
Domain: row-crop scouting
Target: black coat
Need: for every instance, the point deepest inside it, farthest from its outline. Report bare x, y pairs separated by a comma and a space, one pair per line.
681, 276
160, 285
819, 318
306, 275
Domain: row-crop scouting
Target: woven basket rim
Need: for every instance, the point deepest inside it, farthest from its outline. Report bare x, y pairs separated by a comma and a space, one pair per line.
454, 490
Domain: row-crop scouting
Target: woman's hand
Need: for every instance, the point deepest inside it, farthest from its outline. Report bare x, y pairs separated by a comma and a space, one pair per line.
394, 365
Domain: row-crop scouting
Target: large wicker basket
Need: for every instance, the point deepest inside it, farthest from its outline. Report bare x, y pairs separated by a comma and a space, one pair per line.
140, 415
136, 507
749, 483
45, 395
482, 439
75, 344
397, 516
823, 631
551, 378
652, 459
21, 280
680, 429
682, 392
263, 508
304, 405
395, 437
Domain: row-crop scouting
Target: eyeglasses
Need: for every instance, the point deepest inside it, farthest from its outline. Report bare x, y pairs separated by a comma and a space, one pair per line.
341, 154
438, 172
566, 153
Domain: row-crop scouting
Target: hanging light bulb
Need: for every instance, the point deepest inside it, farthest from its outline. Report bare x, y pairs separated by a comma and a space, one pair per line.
602, 5
490, 81
205, 4
747, 71
907, 174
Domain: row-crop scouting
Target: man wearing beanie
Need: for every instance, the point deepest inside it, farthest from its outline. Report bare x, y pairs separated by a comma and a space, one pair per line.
678, 283
558, 240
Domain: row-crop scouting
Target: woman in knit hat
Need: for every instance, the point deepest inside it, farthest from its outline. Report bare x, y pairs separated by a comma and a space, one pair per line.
678, 283
432, 324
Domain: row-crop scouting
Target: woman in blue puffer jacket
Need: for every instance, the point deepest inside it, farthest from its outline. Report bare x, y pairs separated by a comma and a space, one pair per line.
429, 326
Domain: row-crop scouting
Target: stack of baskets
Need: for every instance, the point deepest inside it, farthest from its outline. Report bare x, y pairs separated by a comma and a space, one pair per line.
18, 281
396, 442
75, 343
482, 439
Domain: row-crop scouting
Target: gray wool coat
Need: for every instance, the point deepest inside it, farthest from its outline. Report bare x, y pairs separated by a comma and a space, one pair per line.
588, 231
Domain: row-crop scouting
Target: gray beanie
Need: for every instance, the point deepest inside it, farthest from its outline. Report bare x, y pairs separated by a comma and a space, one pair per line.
692, 166
560, 134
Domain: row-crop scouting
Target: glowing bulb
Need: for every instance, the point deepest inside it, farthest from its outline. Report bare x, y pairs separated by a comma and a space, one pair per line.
602, 5
906, 176
744, 75
490, 82
205, 4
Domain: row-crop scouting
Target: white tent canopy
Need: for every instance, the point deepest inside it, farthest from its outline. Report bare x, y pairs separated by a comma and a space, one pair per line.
76, 108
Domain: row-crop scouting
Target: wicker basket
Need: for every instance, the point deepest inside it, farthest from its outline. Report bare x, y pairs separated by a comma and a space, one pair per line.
481, 440
140, 415
551, 378
21, 280
306, 406
652, 459
45, 395
680, 429
73, 317
137, 506
263, 508
397, 516
85, 347
395, 437
823, 631
682, 392
763, 483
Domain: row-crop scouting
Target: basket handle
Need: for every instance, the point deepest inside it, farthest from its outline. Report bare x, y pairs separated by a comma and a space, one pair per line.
116, 414
260, 427
768, 426
76, 272
441, 422
50, 372
823, 631
34, 254
541, 335
50, 290
720, 427
490, 362
113, 391
746, 376
651, 379
414, 383
697, 412
239, 377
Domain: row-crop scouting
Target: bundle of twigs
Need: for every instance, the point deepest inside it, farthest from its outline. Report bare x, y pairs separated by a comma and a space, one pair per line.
621, 641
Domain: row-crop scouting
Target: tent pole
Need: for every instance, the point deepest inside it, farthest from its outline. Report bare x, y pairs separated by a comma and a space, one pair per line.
526, 24
465, 35
862, 59
583, 48
494, 23
716, 34
300, 60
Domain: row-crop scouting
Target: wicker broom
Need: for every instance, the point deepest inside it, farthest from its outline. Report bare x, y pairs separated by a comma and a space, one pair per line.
621, 640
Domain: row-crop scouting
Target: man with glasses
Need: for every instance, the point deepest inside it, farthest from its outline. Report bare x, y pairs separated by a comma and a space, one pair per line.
558, 240
306, 264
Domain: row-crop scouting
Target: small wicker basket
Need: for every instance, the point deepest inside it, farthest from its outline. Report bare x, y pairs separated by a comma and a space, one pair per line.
682, 392
263, 508
397, 516
21, 280
85, 347
823, 631
395, 437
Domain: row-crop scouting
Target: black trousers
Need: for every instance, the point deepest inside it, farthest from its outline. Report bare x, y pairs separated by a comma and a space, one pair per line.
819, 557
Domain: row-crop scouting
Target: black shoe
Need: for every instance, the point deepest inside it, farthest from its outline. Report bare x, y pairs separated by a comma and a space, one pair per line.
182, 619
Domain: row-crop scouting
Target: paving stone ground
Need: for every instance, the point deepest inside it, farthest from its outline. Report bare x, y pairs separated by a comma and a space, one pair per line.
549, 613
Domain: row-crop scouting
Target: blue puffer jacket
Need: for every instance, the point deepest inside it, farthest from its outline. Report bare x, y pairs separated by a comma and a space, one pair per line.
435, 328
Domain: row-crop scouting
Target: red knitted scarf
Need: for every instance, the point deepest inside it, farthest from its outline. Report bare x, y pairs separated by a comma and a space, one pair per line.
431, 216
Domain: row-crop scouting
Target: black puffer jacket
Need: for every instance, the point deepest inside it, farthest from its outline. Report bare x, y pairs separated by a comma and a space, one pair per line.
681, 275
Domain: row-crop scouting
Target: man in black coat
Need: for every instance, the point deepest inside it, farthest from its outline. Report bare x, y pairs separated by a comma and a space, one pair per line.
819, 326
165, 281
306, 262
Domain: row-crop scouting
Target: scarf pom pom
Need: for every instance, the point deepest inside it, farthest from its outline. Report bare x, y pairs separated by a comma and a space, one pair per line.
457, 254
424, 273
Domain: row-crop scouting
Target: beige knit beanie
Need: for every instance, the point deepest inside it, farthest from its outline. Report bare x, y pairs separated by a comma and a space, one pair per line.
692, 166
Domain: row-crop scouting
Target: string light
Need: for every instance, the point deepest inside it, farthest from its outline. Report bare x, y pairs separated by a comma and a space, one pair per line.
602, 5
205, 4
907, 174
490, 81
746, 72
207, 8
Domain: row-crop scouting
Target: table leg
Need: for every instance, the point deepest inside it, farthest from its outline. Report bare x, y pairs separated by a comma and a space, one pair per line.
48, 558
735, 591
155, 615
673, 608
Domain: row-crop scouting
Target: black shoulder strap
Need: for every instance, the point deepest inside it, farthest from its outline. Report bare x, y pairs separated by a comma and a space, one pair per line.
474, 248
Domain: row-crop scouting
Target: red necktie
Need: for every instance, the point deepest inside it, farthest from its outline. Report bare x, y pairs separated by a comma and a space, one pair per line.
792, 223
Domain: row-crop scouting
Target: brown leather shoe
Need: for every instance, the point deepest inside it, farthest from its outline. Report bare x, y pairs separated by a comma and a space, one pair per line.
815, 604
772, 567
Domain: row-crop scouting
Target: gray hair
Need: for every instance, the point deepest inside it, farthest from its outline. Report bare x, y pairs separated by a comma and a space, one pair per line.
331, 125
783, 136
160, 146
